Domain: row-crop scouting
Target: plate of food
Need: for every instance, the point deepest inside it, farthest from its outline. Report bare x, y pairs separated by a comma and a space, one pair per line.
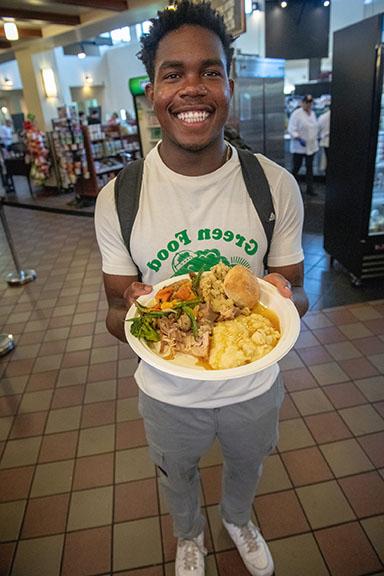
213, 325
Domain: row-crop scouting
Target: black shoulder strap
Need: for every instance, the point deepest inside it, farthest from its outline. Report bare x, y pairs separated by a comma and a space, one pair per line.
259, 192
127, 197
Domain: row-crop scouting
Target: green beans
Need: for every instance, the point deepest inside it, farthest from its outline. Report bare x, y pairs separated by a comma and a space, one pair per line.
142, 325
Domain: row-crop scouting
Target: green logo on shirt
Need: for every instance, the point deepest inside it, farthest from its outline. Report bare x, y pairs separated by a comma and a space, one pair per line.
184, 261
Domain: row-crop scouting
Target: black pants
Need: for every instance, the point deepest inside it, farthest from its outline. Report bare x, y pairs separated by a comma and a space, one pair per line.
297, 162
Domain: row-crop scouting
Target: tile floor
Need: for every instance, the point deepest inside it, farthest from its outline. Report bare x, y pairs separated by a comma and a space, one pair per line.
78, 493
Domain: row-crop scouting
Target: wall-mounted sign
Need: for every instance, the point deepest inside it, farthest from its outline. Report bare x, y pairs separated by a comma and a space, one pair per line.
233, 12
137, 85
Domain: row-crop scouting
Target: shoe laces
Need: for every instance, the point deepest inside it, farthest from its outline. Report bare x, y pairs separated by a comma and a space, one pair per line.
192, 549
250, 536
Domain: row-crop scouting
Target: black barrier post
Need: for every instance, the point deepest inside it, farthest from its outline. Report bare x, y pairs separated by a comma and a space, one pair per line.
7, 343
20, 276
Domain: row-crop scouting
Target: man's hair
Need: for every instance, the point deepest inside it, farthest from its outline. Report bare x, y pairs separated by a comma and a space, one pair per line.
168, 20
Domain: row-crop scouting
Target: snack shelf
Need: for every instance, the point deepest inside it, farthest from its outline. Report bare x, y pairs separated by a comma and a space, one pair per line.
113, 168
101, 144
67, 145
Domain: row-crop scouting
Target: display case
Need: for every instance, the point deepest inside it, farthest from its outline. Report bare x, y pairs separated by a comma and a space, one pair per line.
68, 151
354, 207
108, 149
376, 218
149, 130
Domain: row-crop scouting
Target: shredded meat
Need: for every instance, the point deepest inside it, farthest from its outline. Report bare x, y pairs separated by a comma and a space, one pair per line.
177, 337
198, 347
206, 313
184, 323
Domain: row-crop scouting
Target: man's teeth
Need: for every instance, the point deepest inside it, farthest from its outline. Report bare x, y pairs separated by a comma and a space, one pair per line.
193, 116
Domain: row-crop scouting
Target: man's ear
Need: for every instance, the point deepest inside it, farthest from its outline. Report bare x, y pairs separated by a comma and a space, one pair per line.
149, 91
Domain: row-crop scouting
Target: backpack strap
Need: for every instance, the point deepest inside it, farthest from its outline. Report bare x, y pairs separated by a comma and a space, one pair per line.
260, 193
127, 197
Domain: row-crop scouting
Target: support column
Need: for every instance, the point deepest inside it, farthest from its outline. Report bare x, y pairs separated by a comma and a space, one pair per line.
37, 103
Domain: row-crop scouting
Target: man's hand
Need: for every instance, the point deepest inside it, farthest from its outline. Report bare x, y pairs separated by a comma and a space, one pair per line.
135, 290
302, 142
289, 282
121, 292
282, 284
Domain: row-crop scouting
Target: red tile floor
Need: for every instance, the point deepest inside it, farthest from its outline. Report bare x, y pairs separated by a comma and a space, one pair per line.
78, 493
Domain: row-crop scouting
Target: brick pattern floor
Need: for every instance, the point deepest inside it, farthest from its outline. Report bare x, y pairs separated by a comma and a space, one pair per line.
78, 493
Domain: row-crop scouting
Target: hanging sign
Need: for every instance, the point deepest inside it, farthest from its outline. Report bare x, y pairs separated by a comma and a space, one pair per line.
233, 12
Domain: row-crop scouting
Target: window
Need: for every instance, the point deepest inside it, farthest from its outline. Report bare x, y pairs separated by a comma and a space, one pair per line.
120, 35
146, 26
139, 31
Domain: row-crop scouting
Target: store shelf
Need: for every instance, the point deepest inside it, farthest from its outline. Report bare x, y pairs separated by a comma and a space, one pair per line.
123, 147
68, 151
109, 169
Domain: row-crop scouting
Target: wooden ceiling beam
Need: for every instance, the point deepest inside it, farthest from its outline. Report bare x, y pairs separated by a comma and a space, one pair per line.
25, 32
21, 14
114, 5
4, 44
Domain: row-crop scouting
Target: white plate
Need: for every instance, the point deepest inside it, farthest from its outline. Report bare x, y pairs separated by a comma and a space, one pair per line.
184, 365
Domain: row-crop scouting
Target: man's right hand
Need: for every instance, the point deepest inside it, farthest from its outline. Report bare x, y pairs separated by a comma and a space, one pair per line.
135, 290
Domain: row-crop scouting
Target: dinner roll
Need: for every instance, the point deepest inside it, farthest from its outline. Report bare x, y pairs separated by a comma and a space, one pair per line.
242, 286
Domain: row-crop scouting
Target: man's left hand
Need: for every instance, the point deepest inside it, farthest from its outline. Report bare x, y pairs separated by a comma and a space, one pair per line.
282, 284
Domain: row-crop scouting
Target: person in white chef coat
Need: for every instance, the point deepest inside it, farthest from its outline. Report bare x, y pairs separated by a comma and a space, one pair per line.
303, 129
324, 129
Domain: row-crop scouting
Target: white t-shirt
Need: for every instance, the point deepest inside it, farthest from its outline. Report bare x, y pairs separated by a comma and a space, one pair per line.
304, 126
185, 221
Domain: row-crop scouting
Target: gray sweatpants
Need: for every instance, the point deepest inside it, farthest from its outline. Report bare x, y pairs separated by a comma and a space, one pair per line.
178, 437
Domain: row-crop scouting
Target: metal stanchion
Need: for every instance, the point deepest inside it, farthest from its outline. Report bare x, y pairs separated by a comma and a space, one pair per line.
20, 276
7, 343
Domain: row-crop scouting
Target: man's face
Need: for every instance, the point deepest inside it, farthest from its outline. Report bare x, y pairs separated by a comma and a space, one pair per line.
191, 91
307, 105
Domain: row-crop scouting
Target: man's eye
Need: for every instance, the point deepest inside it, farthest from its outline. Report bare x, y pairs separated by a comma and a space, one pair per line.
211, 73
172, 76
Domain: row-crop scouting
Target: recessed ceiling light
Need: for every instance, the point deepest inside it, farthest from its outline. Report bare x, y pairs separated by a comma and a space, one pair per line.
10, 29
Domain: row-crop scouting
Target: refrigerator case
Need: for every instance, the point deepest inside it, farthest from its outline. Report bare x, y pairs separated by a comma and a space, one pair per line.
376, 219
354, 207
257, 108
148, 126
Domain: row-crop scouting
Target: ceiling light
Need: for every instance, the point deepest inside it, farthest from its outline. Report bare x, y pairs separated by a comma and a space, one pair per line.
367, 1
81, 55
10, 29
8, 82
88, 80
326, 3
283, 4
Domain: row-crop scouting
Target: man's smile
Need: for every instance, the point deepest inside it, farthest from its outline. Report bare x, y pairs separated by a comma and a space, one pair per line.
192, 116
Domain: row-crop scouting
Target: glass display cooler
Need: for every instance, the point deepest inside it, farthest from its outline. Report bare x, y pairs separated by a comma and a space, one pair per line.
354, 207
148, 126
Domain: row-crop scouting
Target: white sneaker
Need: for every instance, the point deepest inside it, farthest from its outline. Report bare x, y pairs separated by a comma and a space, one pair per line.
190, 556
252, 548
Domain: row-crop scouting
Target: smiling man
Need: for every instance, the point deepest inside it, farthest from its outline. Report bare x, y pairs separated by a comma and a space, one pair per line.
195, 210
